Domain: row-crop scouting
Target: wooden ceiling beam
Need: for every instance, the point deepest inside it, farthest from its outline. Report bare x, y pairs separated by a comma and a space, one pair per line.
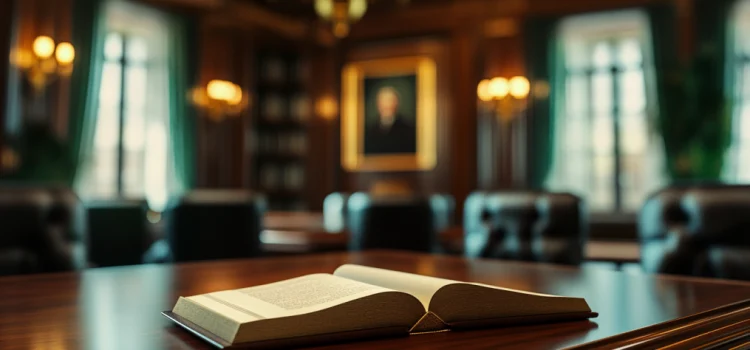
242, 15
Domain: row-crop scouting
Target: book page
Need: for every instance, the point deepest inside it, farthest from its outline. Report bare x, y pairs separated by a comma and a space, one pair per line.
422, 287
286, 298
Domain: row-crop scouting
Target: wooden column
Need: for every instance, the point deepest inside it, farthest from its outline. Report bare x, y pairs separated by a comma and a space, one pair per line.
463, 124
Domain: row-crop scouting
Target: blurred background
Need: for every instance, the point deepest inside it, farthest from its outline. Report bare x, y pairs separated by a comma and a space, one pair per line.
133, 106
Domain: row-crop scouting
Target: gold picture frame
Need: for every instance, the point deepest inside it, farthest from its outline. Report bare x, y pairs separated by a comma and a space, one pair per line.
353, 122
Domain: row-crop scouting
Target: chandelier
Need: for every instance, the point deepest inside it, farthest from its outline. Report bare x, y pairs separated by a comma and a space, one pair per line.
45, 61
341, 13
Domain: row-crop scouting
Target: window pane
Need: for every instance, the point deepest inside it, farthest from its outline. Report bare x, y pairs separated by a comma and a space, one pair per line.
629, 52
743, 167
601, 92
577, 96
132, 173
107, 128
113, 47
109, 94
103, 176
632, 181
632, 91
156, 165
633, 134
602, 55
137, 50
744, 124
602, 137
135, 85
576, 135
133, 135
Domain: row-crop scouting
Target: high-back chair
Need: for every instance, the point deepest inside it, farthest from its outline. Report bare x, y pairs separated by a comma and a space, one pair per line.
531, 226
697, 230
403, 222
119, 231
215, 224
43, 230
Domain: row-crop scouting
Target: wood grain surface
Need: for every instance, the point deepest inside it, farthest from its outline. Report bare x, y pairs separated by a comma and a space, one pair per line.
119, 308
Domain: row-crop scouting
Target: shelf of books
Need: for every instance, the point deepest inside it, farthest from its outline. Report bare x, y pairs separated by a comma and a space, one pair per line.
280, 132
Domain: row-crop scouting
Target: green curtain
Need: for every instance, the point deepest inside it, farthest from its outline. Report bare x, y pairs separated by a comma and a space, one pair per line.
693, 120
182, 66
88, 39
544, 59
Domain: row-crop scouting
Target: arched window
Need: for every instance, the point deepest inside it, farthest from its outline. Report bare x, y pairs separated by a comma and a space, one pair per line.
604, 148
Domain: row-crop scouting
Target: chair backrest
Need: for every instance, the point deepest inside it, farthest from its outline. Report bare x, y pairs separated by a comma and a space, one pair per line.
118, 231
395, 222
532, 226
43, 230
215, 224
702, 230
334, 211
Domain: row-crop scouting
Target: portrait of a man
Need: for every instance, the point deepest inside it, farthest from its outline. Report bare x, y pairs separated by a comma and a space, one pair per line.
390, 126
389, 114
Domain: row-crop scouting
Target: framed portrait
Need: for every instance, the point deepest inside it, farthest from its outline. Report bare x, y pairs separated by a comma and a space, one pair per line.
389, 114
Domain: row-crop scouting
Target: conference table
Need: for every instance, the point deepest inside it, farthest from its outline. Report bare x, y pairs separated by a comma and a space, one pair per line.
119, 308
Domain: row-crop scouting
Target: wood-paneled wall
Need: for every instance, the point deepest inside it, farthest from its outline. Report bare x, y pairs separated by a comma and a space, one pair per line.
7, 14
33, 18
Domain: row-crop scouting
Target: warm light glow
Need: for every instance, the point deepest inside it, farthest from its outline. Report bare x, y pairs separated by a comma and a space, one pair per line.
44, 47
357, 8
324, 8
519, 87
483, 90
237, 97
221, 90
498, 88
327, 108
65, 53
22, 58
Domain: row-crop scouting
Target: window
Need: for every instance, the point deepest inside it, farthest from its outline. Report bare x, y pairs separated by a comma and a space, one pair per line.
604, 150
130, 148
736, 169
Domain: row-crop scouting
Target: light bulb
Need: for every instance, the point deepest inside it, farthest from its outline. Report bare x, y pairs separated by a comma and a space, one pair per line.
357, 9
65, 53
236, 98
498, 88
220, 90
43, 47
519, 87
324, 8
483, 90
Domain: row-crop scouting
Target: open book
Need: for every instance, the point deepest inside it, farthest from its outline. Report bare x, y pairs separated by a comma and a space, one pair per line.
360, 302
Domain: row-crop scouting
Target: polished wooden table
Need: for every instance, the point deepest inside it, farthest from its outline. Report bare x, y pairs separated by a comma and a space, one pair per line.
119, 308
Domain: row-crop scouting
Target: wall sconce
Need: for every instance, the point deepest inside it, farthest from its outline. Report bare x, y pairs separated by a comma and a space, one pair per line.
45, 61
220, 99
506, 97
327, 108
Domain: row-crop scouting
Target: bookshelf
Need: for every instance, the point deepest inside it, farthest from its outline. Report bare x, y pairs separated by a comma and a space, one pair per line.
281, 137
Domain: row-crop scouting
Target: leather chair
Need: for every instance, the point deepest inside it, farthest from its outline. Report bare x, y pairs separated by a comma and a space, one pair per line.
118, 231
701, 230
396, 222
531, 226
215, 224
43, 230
